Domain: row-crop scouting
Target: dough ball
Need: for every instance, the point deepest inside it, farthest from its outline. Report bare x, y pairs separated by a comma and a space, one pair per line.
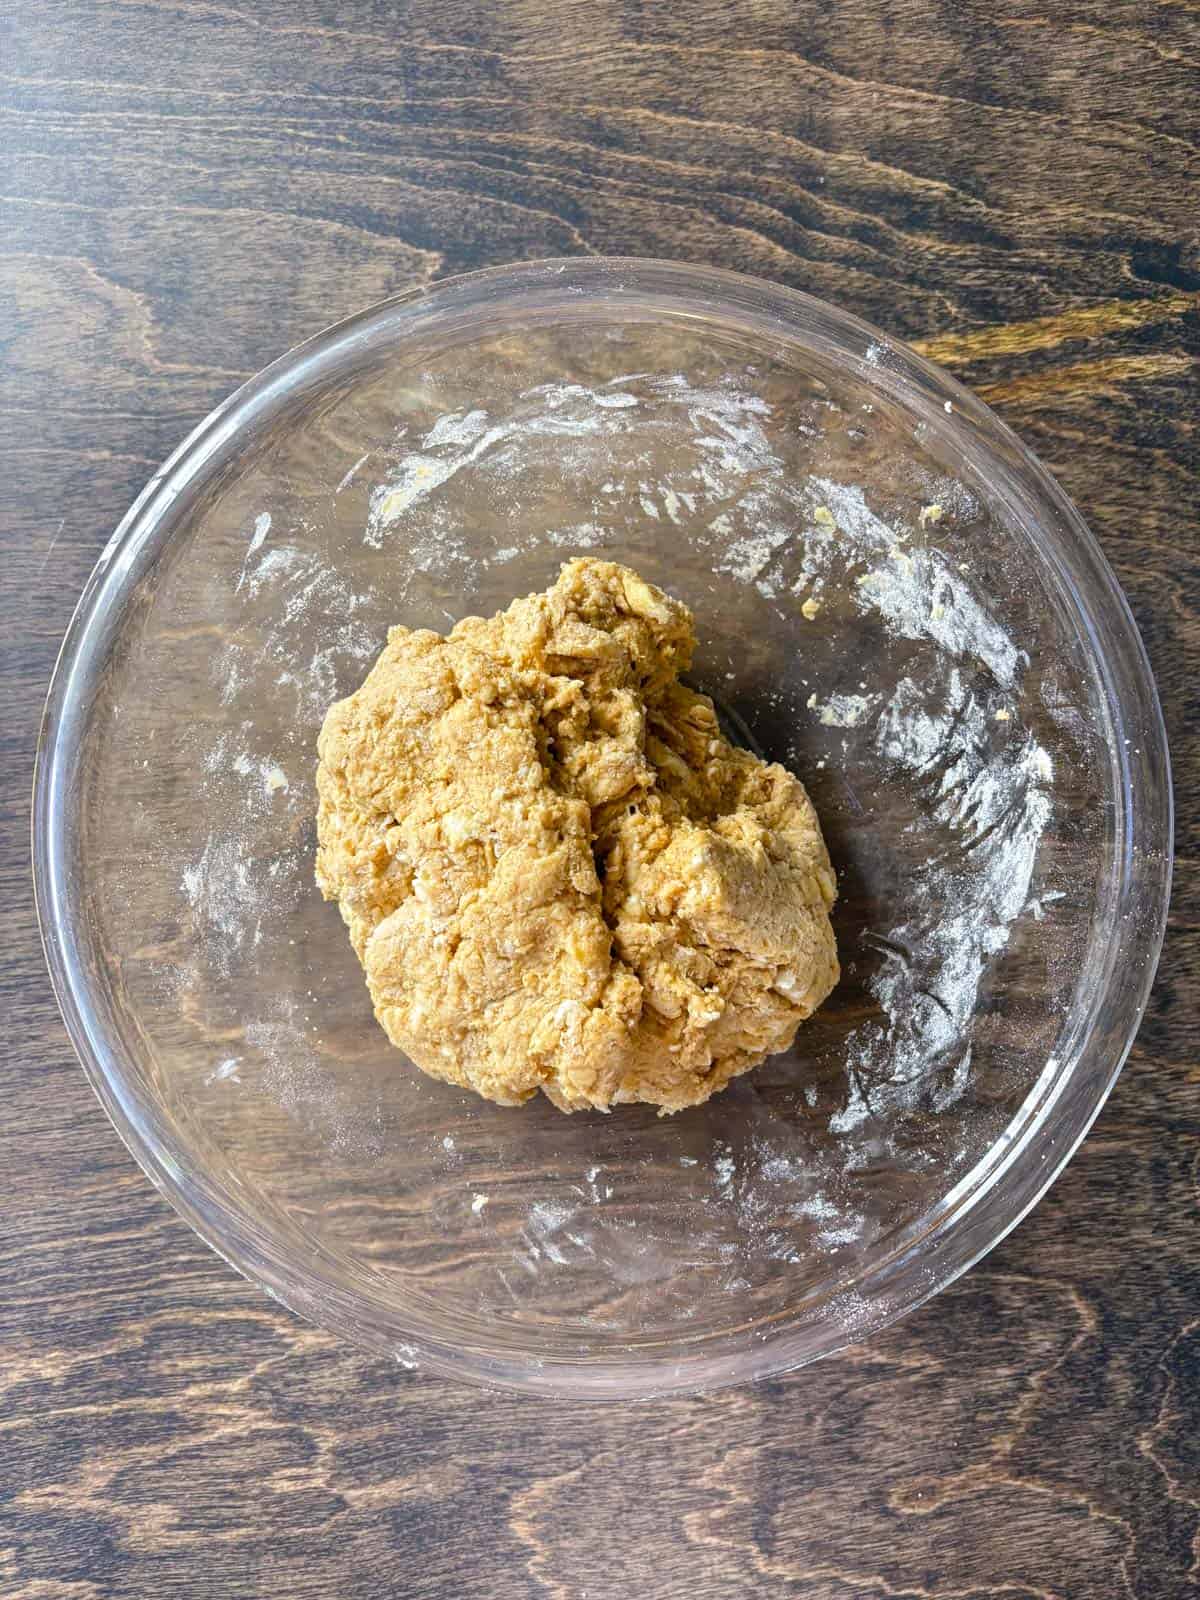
557, 873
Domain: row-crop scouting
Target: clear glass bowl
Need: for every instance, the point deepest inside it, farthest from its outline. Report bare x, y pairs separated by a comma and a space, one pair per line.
891, 596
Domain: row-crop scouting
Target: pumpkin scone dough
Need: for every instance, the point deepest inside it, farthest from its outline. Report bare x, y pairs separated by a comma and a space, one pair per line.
556, 872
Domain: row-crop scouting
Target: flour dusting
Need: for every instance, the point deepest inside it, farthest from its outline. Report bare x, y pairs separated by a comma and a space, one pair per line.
843, 710
308, 600
221, 885
917, 593
262, 527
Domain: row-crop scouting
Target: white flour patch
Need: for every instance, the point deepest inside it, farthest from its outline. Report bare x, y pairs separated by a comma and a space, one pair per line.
226, 1072
729, 441
262, 527
553, 411
545, 1233
305, 600
234, 894
246, 880
918, 592
581, 536
221, 887
919, 596
353, 473
458, 440
295, 1076
749, 558
266, 775
984, 786
724, 1170
844, 710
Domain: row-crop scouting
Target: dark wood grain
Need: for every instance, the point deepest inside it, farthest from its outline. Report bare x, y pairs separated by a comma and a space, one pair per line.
192, 186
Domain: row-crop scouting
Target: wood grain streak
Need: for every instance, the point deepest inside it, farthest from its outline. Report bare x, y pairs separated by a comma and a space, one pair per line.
1084, 377
190, 187
1046, 333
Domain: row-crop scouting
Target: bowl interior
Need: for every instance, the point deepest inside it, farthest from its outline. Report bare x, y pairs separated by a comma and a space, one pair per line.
878, 605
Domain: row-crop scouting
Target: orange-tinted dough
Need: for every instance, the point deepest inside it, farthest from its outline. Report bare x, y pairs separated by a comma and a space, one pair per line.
556, 871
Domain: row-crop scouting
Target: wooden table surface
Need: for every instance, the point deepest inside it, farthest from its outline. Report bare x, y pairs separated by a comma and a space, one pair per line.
192, 186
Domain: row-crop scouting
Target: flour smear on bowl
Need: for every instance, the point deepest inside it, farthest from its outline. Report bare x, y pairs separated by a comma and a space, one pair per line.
949, 731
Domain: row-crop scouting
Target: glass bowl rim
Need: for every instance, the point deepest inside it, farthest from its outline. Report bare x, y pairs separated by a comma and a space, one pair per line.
1143, 859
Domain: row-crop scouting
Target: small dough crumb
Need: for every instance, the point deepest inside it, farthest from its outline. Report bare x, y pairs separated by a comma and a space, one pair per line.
557, 873
930, 515
810, 608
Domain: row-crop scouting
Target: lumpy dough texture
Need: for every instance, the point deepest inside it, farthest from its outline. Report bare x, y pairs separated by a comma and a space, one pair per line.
556, 872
